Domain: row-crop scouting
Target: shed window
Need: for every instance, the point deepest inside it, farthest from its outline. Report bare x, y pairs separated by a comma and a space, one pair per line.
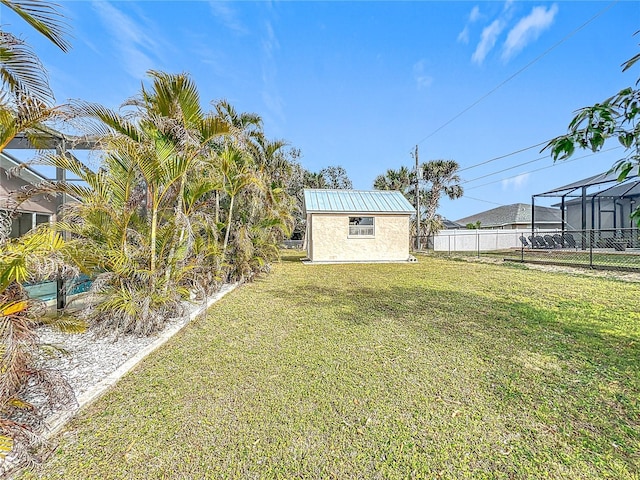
361, 226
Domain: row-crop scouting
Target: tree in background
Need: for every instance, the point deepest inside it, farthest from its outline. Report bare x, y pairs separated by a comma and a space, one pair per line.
313, 180
332, 177
335, 177
441, 178
473, 226
616, 117
401, 180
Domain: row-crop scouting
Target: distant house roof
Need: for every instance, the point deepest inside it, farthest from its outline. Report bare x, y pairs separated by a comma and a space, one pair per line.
356, 201
515, 214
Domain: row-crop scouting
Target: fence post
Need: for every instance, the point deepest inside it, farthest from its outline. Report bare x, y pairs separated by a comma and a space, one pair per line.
478, 241
61, 293
591, 238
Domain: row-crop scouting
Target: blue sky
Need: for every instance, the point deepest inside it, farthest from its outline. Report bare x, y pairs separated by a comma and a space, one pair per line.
359, 84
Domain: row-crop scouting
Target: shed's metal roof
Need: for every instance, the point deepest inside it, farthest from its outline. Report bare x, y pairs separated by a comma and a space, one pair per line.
356, 201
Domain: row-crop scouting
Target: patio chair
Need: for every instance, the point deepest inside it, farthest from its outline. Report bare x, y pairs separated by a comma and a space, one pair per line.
534, 242
541, 242
551, 243
524, 242
558, 239
569, 241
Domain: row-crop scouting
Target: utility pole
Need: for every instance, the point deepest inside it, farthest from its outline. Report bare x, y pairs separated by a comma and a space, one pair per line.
417, 201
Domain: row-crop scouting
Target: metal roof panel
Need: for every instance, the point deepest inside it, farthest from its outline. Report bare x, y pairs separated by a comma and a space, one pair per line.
357, 201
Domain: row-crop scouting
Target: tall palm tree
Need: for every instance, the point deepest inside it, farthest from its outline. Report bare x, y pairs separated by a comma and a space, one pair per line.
254, 171
271, 159
134, 215
174, 134
442, 178
247, 125
238, 173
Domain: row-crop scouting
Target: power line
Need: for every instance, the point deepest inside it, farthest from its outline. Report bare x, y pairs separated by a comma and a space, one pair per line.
503, 156
505, 169
518, 72
485, 201
544, 168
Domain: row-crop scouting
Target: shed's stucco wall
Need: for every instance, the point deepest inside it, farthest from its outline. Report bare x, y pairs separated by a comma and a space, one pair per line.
329, 239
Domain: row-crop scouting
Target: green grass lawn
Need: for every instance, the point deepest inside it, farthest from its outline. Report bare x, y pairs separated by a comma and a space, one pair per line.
440, 369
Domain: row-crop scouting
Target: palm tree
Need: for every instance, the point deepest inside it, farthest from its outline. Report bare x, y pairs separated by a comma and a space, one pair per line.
27, 258
400, 180
134, 215
25, 103
20, 69
265, 212
271, 159
245, 125
442, 177
314, 180
238, 173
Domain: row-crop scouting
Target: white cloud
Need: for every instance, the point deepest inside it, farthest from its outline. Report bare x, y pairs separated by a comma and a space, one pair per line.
132, 41
474, 16
420, 76
463, 36
223, 11
515, 183
507, 5
528, 29
487, 41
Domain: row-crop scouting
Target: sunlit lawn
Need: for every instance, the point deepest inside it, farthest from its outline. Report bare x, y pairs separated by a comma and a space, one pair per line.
440, 369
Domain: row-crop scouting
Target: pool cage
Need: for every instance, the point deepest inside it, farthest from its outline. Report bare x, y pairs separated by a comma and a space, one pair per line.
596, 211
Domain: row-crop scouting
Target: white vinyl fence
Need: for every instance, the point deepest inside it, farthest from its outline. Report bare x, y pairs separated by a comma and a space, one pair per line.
478, 240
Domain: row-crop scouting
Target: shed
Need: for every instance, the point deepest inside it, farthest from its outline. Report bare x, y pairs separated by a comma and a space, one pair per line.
357, 226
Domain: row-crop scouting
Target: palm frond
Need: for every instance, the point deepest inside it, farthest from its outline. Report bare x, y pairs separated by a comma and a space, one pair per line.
44, 18
21, 70
66, 324
110, 121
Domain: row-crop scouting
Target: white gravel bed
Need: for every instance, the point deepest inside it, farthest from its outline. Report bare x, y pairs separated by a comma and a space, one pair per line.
87, 359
